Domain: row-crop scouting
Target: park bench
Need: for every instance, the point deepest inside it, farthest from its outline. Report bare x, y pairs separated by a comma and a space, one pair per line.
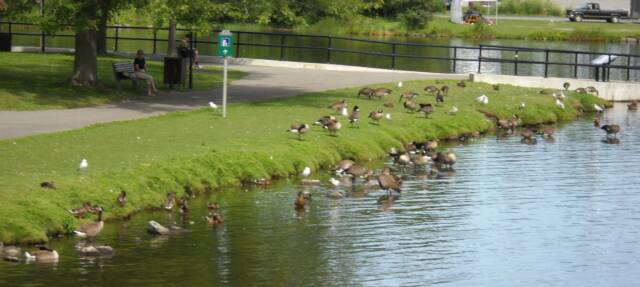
123, 71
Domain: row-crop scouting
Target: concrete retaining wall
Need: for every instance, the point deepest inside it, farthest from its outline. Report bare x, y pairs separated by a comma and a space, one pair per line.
612, 91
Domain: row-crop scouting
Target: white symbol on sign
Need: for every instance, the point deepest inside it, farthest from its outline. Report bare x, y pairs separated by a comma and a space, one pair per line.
225, 42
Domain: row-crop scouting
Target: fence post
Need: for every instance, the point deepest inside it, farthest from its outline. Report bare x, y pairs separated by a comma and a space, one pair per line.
480, 59
195, 39
42, 39
155, 38
628, 68
608, 68
546, 62
515, 66
238, 45
282, 47
116, 43
393, 55
329, 49
455, 57
575, 66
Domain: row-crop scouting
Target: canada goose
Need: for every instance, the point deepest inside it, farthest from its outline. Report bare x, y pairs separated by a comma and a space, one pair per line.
431, 89
483, 99
263, 182
439, 98
503, 124
596, 122
306, 171
566, 86
420, 160
388, 105
445, 159
632, 106
522, 106
44, 254
338, 106
376, 116
453, 110
445, 90
354, 117
381, 92
402, 159
410, 147
547, 132
324, 121
526, 134
407, 96
92, 229
300, 201
388, 182
461, 84
356, 170
213, 206
48, 184
611, 130
184, 205
410, 106
592, 90
299, 129
514, 122
495, 87
333, 127
170, 201
344, 165
122, 198
367, 92
81, 211
427, 109
559, 104
581, 90
431, 145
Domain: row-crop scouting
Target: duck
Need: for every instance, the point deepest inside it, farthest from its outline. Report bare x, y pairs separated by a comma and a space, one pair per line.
439, 98
596, 122
527, 134
410, 106
445, 90
566, 86
411, 147
461, 84
184, 206
445, 159
91, 229
632, 106
381, 92
483, 99
503, 124
431, 89
306, 171
263, 182
407, 96
338, 106
388, 182
431, 145
170, 201
213, 206
122, 198
453, 111
354, 117
427, 109
376, 116
324, 121
611, 130
300, 201
43, 254
366, 91
344, 165
333, 127
420, 160
559, 104
299, 129
496, 87
48, 184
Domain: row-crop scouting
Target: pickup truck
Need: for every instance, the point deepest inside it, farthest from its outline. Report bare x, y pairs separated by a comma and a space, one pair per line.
592, 11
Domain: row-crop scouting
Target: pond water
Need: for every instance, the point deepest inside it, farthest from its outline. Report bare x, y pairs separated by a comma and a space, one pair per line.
131, 44
562, 213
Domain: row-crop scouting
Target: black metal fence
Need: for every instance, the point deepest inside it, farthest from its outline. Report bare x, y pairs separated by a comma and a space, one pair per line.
381, 54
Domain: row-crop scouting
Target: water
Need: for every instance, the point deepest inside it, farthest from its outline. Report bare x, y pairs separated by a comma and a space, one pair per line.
406, 63
563, 213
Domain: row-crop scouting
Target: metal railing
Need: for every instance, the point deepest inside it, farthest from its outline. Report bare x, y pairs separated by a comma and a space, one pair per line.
392, 51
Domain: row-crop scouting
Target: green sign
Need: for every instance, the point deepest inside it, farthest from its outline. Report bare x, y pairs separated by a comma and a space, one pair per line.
225, 44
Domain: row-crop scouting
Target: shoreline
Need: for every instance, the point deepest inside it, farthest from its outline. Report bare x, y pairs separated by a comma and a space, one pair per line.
256, 147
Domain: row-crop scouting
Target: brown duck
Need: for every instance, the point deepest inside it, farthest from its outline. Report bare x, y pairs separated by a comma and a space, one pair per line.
122, 198
367, 92
376, 116
338, 106
410, 106
300, 201
427, 109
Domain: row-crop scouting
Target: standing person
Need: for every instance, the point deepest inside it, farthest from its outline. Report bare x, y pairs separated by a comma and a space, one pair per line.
140, 72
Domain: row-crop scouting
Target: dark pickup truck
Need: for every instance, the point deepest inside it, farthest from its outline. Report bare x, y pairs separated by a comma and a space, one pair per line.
592, 11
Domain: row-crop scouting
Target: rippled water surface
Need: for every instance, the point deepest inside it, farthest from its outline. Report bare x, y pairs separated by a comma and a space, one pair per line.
563, 213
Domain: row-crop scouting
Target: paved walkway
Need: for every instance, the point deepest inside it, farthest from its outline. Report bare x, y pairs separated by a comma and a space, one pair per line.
261, 83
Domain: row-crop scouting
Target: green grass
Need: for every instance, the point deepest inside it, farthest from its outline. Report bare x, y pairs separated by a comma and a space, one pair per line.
30, 81
199, 149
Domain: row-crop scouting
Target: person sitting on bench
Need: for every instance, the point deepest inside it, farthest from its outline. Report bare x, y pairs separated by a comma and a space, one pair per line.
140, 71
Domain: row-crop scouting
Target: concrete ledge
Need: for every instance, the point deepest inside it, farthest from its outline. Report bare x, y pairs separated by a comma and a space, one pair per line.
612, 91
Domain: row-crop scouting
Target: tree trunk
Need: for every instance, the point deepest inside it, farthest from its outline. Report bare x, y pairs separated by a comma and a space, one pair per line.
85, 66
101, 40
172, 51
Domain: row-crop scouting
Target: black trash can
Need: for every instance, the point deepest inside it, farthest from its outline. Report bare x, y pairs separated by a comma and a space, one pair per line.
173, 72
5, 42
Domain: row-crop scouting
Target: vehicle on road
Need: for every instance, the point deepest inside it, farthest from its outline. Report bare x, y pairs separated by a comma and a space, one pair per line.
593, 11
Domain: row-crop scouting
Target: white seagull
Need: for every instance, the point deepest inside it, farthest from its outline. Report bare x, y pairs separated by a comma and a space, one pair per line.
559, 104
213, 105
598, 109
83, 164
306, 171
387, 116
344, 111
453, 110
400, 84
483, 99
522, 105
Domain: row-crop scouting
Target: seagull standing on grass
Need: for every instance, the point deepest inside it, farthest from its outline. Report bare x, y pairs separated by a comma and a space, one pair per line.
213, 105
559, 104
522, 105
345, 112
83, 165
453, 110
483, 99
400, 84
306, 171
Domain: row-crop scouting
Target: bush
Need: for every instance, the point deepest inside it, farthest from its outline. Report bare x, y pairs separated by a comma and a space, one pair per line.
530, 7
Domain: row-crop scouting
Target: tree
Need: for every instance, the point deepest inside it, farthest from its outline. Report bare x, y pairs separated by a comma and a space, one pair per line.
413, 13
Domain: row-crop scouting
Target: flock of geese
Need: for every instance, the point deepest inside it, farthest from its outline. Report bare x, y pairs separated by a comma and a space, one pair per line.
415, 154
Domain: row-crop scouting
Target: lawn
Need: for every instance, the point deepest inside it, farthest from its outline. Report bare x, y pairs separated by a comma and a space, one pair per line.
201, 150
31, 81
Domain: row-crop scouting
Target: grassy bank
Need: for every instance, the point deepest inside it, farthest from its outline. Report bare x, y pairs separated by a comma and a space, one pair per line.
199, 149
30, 81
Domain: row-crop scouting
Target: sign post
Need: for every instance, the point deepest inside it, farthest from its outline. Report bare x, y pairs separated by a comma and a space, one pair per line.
225, 50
